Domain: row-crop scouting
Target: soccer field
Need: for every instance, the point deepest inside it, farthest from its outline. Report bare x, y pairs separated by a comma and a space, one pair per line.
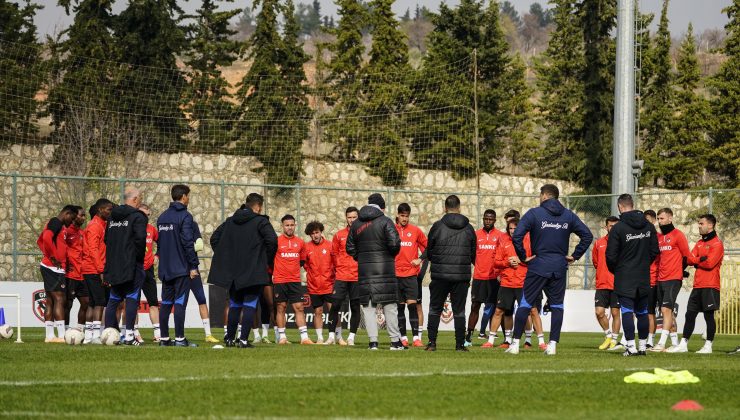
53, 380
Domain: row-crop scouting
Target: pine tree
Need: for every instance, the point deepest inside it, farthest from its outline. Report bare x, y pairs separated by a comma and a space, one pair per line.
659, 104
598, 21
560, 79
726, 88
207, 99
20, 75
522, 148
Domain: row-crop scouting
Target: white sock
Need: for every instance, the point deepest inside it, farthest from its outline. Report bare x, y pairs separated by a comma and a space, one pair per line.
129, 335
277, 333
553, 344
49, 329
528, 336
60, 328
256, 332
265, 329
708, 344
136, 330
674, 339
614, 337
96, 325
304, 333
508, 336
338, 330
515, 342
663, 338
608, 332
331, 336
650, 339
404, 338
631, 345
643, 345
492, 338
684, 341
239, 330
622, 340
281, 333
88, 331
207, 326
541, 338
320, 334
416, 337
157, 333
421, 331
351, 337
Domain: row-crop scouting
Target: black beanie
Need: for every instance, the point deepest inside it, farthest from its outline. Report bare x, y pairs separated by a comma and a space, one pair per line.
376, 199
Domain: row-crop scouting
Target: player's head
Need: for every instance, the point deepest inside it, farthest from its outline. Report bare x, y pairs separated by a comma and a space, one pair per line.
132, 197
650, 216
512, 214
314, 229
79, 219
288, 222
68, 214
102, 208
351, 214
181, 193
610, 221
376, 199
255, 202
144, 208
625, 203
511, 225
489, 219
707, 222
452, 204
665, 216
403, 214
549, 191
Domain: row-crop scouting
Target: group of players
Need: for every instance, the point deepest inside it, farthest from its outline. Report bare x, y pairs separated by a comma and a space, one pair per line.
108, 264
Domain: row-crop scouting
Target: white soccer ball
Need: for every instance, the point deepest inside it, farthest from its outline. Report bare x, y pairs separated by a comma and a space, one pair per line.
110, 337
6, 331
73, 337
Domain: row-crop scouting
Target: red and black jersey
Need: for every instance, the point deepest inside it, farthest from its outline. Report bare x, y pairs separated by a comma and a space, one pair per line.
413, 243
319, 266
510, 276
345, 265
673, 249
707, 274
93, 256
604, 277
287, 267
53, 245
75, 244
152, 234
485, 255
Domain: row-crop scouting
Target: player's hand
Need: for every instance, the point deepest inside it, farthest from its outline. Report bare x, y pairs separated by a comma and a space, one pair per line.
704, 258
530, 258
685, 274
514, 262
56, 262
416, 262
193, 274
570, 259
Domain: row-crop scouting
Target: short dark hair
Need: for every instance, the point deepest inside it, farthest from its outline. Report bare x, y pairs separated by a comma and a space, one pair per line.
254, 199
178, 191
351, 209
709, 218
287, 217
626, 200
550, 190
452, 202
514, 220
100, 203
70, 208
313, 226
651, 213
79, 209
512, 213
404, 208
489, 211
611, 219
665, 210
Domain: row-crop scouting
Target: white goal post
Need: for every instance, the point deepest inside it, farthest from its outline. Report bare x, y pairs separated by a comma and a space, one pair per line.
18, 312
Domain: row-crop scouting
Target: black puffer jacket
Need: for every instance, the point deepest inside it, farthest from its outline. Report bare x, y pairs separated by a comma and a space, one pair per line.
373, 242
125, 244
243, 246
451, 248
631, 248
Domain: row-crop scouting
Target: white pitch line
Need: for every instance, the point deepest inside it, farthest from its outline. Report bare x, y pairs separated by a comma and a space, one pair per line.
104, 381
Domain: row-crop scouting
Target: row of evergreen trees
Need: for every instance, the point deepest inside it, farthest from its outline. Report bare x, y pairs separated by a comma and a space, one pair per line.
114, 81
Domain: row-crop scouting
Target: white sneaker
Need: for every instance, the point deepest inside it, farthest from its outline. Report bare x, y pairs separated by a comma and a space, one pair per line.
551, 350
329, 341
513, 349
657, 348
319, 341
619, 346
350, 341
706, 349
680, 348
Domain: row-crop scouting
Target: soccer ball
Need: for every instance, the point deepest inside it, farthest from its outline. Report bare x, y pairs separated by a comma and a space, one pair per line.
73, 337
110, 337
6, 331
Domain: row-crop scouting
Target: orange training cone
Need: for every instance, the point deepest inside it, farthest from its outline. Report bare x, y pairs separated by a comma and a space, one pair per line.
687, 405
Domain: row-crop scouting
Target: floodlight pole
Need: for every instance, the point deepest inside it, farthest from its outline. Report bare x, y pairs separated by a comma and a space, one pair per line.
476, 133
624, 104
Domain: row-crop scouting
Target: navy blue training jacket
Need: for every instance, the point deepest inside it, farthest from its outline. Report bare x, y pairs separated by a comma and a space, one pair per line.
176, 243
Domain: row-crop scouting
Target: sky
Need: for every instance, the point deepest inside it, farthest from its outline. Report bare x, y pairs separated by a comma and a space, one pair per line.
704, 14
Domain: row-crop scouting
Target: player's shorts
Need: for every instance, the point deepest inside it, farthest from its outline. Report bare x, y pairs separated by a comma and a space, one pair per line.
318, 301
407, 289
484, 291
668, 292
75, 289
606, 298
97, 292
507, 296
53, 282
419, 293
196, 286
702, 300
149, 288
652, 299
345, 289
289, 292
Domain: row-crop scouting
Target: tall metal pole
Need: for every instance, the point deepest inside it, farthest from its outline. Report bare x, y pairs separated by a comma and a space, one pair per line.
476, 132
624, 103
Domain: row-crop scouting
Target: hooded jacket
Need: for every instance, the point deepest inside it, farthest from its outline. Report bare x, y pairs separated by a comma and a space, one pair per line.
242, 248
632, 245
373, 242
176, 242
549, 227
125, 244
451, 248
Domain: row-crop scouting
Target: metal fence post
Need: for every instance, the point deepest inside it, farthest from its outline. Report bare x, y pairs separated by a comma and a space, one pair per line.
15, 226
711, 200
585, 271
388, 204
223, 201
122, 186
298, 204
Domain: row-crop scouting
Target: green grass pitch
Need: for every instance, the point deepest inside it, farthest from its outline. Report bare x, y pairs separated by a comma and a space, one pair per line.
56, 380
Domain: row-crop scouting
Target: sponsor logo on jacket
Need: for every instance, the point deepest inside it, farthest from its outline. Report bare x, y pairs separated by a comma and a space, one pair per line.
290, 254
643, 235
554, 225
405, 243
165, 228
487, 247
118, 224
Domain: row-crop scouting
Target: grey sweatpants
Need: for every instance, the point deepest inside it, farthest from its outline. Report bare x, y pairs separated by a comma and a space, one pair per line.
390, 311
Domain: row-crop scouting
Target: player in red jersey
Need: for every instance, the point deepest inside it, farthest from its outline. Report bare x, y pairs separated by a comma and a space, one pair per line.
708, 252
485, 285
286, 277
76, 288
652, 218
319, 266
93, 263
408, 263
53, 246
345, 286
149, 288
605, 296
674, 256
